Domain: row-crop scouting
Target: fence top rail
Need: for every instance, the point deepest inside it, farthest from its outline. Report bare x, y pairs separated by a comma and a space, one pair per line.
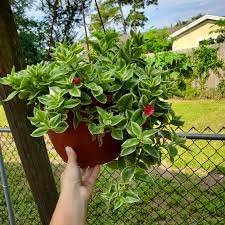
197, 136
5, 130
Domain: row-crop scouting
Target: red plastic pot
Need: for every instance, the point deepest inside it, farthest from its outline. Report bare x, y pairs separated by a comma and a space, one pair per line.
89, 152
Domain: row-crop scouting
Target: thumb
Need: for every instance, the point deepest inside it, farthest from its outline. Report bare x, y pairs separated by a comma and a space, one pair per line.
72, 157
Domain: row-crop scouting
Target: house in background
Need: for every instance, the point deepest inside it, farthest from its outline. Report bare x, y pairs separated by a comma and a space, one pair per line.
199, 30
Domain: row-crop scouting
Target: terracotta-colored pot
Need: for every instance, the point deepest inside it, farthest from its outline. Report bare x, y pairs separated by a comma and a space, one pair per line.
89, 152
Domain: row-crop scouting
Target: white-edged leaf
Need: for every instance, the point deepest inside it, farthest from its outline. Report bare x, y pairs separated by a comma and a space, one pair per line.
130, 143
75, 92
151, 150
117, 134
102, 98
149, 133
119, 201
127, 151
131, 197
136, 129
39, 131
125, 102
71, 103
11, 96
143, 176
128, 174
61, 127
96, 129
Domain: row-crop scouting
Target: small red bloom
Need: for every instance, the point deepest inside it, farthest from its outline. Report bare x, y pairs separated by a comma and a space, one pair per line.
76, 81
109, 98
149, 110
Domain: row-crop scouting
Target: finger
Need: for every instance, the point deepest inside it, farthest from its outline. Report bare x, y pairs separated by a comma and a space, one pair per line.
87, 174
72, 157
72, 168
91, 180
83, 171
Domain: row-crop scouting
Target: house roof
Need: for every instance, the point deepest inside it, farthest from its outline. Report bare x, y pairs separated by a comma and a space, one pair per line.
195, 23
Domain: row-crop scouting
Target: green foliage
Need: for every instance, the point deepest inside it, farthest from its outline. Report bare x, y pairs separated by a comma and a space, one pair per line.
157, 40
117, 71
136, 18
178, 65
32, 34
221, 88
109, 13
190, 92
220, 30
68, 18
204, 60
209, 41
220, 27
183, 23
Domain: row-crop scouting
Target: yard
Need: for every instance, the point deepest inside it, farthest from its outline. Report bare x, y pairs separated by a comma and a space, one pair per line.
197, 113
183, 193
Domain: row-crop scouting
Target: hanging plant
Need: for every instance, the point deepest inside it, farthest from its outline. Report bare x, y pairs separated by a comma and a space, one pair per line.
112, 108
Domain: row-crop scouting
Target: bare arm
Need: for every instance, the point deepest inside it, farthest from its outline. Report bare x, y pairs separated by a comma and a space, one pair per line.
76, 188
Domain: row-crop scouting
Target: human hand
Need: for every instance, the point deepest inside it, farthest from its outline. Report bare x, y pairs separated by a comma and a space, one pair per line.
76, 189
78, 180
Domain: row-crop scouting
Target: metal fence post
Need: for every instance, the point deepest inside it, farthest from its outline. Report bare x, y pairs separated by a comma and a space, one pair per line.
6, 190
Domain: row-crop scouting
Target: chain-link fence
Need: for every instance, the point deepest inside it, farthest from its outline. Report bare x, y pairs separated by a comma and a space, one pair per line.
191, 191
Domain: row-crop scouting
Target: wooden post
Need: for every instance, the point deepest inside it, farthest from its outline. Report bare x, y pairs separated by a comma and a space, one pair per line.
32, 151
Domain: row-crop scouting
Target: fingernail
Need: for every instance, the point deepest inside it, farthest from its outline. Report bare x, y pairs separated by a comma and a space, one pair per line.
68, 149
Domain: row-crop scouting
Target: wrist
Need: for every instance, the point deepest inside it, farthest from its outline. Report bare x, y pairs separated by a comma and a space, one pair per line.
73, 197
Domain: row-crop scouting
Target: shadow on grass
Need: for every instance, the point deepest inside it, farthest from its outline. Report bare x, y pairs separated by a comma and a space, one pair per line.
179, 199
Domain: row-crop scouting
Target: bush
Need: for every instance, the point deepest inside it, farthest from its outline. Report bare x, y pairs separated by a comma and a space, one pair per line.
178, 65
210, 93
157, 40
190, 92
221, 88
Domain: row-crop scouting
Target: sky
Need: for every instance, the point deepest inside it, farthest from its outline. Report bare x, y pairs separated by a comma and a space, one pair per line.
170, 11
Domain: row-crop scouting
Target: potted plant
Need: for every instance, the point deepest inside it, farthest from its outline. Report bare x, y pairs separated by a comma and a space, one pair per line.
115, 105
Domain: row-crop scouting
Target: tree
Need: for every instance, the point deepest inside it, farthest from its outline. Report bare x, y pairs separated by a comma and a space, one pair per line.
110, 14
32, 34
179, 66
32, 151
182, 23
157, 40
205, 59
122, 16
136, 18
68, 18
220, 30
33, 40
19, 7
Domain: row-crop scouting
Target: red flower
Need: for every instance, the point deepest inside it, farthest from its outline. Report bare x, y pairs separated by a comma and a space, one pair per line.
149, 110
76, 81
109, 98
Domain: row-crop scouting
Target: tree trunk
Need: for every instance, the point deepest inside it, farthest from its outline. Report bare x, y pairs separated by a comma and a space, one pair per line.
122, 17
32, 151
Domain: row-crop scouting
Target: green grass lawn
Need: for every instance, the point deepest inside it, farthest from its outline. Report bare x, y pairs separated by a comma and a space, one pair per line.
183, 194
165, 201
3, 120
201, 113
198, 113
